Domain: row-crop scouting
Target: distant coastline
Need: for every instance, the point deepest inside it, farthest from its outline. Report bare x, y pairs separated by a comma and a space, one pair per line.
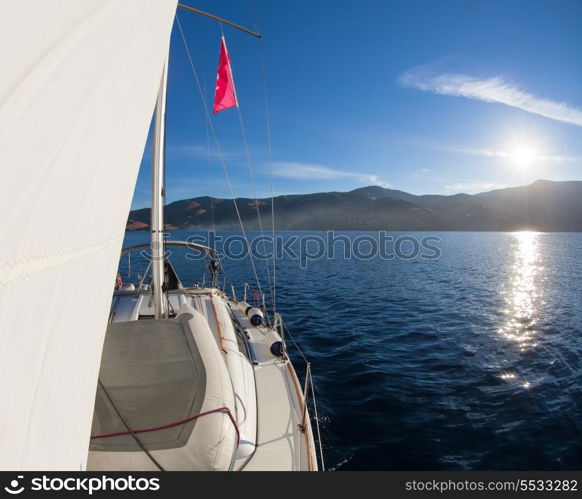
544, 206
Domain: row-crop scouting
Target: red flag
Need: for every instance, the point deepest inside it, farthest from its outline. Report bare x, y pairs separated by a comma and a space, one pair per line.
225, 95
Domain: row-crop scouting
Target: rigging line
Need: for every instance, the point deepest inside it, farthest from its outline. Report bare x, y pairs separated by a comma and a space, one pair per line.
303, 356
254, 186
218, 255
270, 162
254, 15
252, 176
123, 420
313, 398
314, 402
210, 173
210, 170
220, 155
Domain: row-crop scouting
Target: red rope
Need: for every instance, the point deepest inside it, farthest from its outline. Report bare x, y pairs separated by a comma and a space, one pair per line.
175, 423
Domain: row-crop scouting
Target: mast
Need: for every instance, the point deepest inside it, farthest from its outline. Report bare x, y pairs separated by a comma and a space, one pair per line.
158, 194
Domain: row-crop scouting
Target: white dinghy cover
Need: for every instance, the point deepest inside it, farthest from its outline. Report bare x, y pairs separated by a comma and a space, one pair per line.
78, 88
158, 372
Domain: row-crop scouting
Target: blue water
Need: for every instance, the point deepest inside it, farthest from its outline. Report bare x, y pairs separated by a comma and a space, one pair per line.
470, 361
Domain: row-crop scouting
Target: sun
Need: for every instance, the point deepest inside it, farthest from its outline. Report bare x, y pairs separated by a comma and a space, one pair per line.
523, 156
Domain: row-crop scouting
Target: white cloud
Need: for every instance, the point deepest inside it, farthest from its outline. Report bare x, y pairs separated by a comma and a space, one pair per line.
494, 89
297, 170
371, 180
490, 153
472, 187
200, 151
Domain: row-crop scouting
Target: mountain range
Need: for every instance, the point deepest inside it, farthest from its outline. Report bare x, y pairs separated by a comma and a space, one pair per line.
544, 205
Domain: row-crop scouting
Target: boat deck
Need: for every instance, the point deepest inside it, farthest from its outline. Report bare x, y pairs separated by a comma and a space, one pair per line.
279, 435
283, 444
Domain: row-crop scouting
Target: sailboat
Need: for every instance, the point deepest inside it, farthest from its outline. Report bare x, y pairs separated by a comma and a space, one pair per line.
164, 376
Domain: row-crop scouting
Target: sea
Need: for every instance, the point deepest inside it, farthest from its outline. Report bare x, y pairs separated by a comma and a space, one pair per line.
429, 351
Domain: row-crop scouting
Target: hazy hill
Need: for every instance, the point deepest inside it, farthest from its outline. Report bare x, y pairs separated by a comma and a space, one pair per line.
543, 206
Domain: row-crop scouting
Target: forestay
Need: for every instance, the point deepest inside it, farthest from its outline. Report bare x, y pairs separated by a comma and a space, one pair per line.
78, 88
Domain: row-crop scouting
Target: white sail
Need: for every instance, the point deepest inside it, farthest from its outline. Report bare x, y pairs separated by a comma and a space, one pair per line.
77, 92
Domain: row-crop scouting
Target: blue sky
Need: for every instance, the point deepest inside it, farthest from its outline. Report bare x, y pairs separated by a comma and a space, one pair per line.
423, 96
